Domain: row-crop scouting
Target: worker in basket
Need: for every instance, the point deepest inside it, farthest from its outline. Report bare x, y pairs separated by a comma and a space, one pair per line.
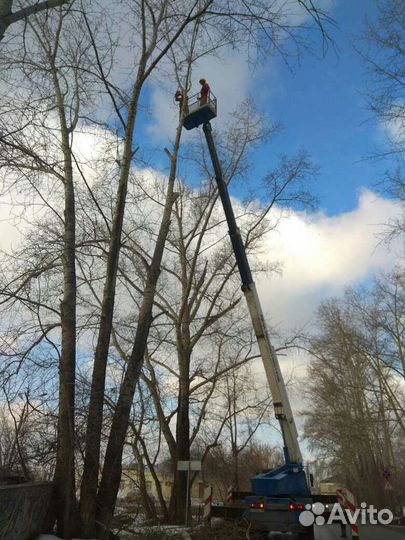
204, 92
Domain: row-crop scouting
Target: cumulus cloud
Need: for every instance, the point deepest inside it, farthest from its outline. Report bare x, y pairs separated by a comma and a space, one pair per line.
321, 255
93, 148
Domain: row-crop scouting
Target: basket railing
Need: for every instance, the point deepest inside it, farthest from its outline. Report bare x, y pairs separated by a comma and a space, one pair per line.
195, 102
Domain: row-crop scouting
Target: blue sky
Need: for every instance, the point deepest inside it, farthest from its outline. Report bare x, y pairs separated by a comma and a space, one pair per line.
320, 105
322, 109
318, 102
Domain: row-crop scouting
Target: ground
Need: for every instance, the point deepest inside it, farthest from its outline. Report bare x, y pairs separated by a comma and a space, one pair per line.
143, 533
224, 531
232, 532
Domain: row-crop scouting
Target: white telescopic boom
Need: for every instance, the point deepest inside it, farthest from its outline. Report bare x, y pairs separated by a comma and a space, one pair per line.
278, 390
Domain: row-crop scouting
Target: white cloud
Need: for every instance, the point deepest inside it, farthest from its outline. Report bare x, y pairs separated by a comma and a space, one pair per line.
10, 235
93, 148
322, 255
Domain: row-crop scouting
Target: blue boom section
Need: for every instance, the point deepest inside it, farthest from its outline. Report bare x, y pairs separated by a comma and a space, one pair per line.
286, 481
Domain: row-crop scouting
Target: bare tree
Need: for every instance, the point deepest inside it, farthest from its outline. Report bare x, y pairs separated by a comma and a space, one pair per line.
247, 413
382, 312
382, 50
206, 314
55, 66
27, 432
8, 16
355, 420
254, 458
109, 484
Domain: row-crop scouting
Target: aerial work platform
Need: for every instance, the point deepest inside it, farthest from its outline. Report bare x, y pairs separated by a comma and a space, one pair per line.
200, 111
280, 495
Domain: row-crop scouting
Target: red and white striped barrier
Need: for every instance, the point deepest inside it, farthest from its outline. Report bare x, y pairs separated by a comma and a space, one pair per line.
346, 499
229, 495
207, 503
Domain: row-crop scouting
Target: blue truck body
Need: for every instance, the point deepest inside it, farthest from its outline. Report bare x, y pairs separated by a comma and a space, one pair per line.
279, 497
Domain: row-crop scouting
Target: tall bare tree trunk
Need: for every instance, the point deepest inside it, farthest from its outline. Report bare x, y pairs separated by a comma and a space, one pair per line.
88, 494
178, 498
66, 509
88, 498
111, 475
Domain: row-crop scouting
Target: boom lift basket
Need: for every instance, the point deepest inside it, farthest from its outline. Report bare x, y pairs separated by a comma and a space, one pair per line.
200, 112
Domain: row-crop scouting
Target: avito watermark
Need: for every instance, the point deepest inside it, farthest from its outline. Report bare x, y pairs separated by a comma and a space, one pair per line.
362, 516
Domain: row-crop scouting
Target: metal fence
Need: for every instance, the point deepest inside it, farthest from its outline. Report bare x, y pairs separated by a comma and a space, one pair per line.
23, 509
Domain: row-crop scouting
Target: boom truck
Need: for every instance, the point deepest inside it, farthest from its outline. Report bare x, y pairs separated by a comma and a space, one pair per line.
280, 495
